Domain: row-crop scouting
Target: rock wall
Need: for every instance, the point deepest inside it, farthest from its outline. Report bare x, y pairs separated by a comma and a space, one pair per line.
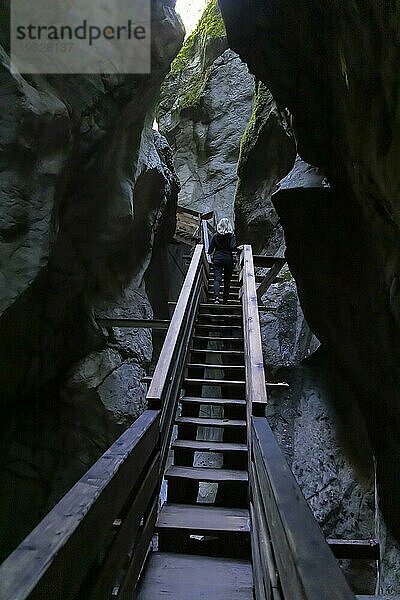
86, 187
204, 108
334, 66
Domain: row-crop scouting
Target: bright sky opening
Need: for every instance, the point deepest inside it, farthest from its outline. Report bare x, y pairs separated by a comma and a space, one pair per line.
190, 11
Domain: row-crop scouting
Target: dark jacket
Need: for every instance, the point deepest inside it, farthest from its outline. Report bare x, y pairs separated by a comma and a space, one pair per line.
222, 246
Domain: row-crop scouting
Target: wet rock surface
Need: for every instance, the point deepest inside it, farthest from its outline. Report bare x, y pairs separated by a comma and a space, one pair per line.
87, 187
334, 68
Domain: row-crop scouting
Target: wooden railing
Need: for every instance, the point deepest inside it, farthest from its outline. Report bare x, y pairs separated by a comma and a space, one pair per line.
92, 545
166, 383
208, 228
291, 559
82, 546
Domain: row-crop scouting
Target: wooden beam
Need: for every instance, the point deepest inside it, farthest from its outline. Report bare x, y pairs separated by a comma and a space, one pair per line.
269, 278
356, 549
261, 260
135, 323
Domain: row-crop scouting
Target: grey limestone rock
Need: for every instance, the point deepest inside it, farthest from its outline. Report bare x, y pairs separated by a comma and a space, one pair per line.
204, 109
86, 188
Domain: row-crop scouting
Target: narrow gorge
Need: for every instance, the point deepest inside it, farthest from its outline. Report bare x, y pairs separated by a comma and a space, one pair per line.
279, 115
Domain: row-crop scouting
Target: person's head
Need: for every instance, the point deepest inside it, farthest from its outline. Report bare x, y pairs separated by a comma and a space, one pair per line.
224, 226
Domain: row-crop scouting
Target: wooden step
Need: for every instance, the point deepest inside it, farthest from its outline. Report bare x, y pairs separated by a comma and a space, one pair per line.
218, 307
173, 576
208, 446
234, 280
214, 326
232, 290
223, 352
214, 338
207, 316
213, 401
212, 382
210, 422
214, 366
206, 474
205, 520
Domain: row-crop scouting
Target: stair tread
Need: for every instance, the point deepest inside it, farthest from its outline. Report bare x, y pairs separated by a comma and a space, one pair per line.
217, 326
188, 577
212, 338
215, 401
205, 519
206, 474
210, 422
216, 382
206, 351
213, 366
219, 316
218, 306
209, 446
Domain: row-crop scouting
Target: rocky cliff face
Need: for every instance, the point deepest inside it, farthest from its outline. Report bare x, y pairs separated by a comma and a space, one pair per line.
205, 106
334, 67
86, 188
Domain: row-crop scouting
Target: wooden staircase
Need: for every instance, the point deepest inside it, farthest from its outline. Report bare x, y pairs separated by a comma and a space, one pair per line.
204, 527
235, 525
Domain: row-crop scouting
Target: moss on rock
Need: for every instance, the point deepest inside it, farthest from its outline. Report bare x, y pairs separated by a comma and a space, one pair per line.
211, 25
194, 62
261, 98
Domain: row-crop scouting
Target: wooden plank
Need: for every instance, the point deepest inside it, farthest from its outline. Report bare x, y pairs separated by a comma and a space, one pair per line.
186, 577
223, 352
307, 568
126, 590
213, 401
208, 446
269, 568
206, 474
357, 549
127, 534
212, 382
215, 338
214, 366
269, 279
213, 326
55, 557
208, 316
256, 390
135, 323
203, 519
261, 260
262, 590
209, 422
220, 306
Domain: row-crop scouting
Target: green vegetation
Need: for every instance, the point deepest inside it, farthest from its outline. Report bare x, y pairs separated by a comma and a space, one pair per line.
210, 25
261, 97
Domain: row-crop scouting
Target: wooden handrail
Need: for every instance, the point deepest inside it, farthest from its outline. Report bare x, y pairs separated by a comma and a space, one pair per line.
78, 536
256, 391
291, 558
307, 569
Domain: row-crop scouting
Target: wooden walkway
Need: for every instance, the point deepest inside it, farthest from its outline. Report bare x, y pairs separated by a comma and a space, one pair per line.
204, 527
235, 524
